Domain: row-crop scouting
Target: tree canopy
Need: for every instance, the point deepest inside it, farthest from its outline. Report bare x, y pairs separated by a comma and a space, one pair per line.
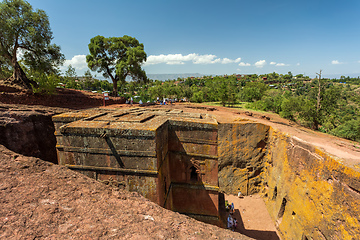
26, 32
117, 58
70, 72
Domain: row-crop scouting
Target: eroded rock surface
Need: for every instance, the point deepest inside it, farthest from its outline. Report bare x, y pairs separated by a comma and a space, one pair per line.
242, 148
309, 193
29, 130
40, 200
62, 97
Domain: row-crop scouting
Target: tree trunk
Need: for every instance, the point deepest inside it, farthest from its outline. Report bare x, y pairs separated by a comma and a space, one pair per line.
318, 100
19, 77
315, 125
114, 80
114, 93
318, 104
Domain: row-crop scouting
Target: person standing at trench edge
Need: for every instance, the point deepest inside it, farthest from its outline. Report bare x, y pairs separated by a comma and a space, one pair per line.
230, 222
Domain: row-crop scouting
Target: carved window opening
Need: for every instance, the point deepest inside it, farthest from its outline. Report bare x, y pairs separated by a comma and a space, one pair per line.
193, 174
195, 170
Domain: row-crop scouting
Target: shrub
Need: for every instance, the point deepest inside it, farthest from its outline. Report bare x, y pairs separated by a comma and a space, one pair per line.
349, 130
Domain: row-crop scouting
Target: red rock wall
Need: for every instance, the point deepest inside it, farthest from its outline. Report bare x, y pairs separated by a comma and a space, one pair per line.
309, 193
193, 168
29, 132
242, 150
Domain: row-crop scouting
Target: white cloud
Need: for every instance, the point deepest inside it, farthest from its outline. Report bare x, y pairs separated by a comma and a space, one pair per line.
205, 59
175, 63
279, 64
242, 64
260, 63
298, 64
178, 59
78, 62
227, 60
237, 60
169, 59
335, 62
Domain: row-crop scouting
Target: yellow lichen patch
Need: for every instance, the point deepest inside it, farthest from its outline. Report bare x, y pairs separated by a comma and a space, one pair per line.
319, 198
308, 193
243, 120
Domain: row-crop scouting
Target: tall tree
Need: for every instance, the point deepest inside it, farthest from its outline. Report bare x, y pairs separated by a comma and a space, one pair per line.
318, 97
318, 102
70, 72
23, 29
117, 58
87, 74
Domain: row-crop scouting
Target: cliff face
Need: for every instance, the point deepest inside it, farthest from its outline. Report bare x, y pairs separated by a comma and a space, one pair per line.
242, 148
309, 194
28, 131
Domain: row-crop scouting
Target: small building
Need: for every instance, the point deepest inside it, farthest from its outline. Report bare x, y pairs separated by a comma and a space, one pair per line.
168, 156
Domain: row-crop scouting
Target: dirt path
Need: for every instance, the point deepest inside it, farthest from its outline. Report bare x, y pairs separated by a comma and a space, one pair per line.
253, 218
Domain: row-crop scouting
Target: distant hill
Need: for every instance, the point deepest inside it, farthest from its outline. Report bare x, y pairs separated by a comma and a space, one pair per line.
353, 75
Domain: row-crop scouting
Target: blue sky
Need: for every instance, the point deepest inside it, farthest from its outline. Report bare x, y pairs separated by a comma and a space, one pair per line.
217, 37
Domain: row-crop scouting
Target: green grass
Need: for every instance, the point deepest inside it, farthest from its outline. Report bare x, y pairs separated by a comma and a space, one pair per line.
241, 105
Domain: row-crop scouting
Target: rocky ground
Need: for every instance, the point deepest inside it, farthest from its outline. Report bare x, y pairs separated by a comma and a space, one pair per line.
41, 200
63, 98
